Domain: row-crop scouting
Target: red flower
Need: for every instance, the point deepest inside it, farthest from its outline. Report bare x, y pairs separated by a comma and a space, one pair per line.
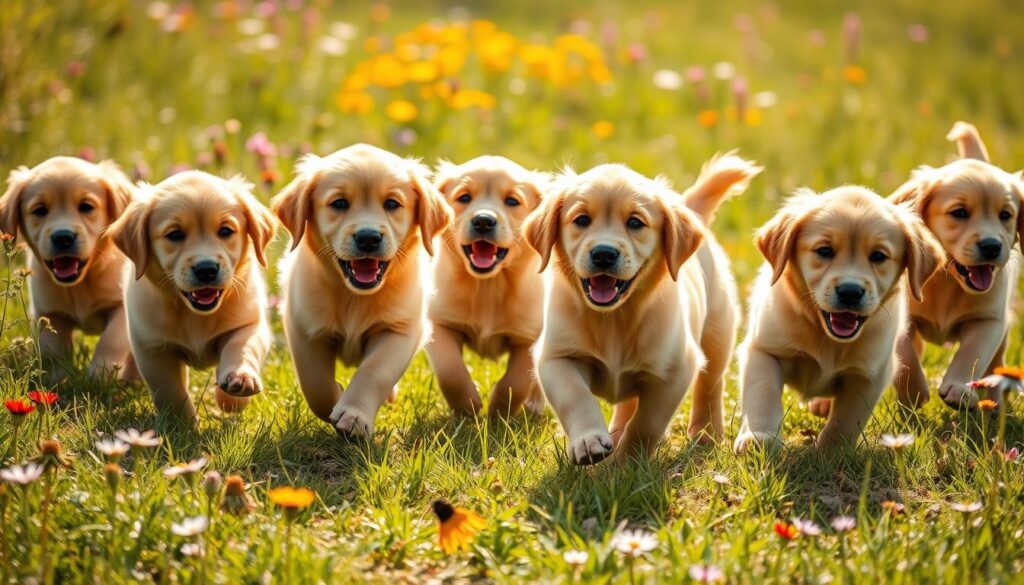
40, 397
786, 531
19, 407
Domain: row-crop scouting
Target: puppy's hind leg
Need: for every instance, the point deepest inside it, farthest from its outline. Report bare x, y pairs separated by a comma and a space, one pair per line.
706, 419
516, 386
55, 347
445, 354
167, 378
910, 380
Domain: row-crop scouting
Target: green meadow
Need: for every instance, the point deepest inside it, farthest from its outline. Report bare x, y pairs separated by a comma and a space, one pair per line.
820, 93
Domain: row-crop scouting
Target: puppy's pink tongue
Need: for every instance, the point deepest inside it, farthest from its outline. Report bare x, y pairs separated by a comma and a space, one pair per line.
205, 296
602, 288
483, 254
980, 276
843, 324
66, 266
365, 269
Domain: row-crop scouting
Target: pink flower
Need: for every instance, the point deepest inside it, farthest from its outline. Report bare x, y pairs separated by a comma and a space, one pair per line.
851, 36
260, 145
706, 573
917, 33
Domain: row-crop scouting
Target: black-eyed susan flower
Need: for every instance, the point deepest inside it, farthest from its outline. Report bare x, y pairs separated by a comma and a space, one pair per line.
456, 526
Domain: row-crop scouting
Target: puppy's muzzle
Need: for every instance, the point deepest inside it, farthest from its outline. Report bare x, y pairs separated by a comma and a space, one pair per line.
990, 248
484, 223
66, 266
844, 325
604, 257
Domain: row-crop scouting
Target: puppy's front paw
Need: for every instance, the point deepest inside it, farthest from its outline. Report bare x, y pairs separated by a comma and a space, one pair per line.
748, 440
820, 407
589, 448
351, 423
241, 383
958, 396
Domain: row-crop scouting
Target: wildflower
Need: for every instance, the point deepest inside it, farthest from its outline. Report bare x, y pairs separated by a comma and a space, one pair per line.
706, 573
917, 33
855, 74
112, 449
1011, 455
211, 484
260, 145
291, 498
232, 126
843, 523
636, 53
765, 99
720, 479
19, 409
355, 102
51, 455
786, 531
667, 80
1002, 380
987, 405
402, 111
894, 508
603, 129
634, 542
965, 507
707, 118
139, 440
806, 527
723, 70
897, 442
112, 473
269, 177
696, 74
236, 500
22, 474
186, 470
189, 527
575, 558
851, 35
741, 94
42, 398
456, 526
192, 549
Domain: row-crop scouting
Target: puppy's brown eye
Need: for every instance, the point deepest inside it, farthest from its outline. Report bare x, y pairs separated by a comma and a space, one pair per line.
877, 257
634, 223
392, 204
85, 207
1005, 215
464, 198
225, 232
511, 201
960, 213
175, 236
40, 211
340, 204
825, 252
582, 221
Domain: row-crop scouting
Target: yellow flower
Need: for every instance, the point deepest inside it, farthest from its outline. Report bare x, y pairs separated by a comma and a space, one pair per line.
373, 44
496, 51
537, 59
402, 111
753, 117
599, 73
387, 71
855, 74
450, 59
456, 526
603, 129
355, 102
422, 71
988, 405
292, 498
707, 118
483, 27
468, 98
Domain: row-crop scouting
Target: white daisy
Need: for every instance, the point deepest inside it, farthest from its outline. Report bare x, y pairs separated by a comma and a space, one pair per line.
634, 542
575, 558
843, 523
22, 474
807, 527
187, 469
135, 438
190, 526
897, 442
966, 507
112, 448
706, 573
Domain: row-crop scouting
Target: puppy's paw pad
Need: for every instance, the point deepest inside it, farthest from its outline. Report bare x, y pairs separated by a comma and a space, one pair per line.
590, 448
241, 383
352, 424
820, 407
959, 396
752, 440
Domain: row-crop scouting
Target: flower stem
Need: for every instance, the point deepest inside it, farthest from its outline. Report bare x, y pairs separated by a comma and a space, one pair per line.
44, 519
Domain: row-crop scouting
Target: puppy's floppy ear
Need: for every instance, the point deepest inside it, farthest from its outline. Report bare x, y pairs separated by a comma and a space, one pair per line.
130, 233
293, 204
533, 187
260, 223
120, 190
543, 224
1018, 186
10, 201
681, 235
432, 213
777, 239
924, 252
919, 189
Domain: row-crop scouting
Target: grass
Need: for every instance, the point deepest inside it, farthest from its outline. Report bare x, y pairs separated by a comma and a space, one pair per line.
107, 79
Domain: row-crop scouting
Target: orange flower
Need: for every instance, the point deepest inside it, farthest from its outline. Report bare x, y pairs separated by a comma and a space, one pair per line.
894, 508
603, 129
988, 405
402, 111
456, 526
707, 118
355, 102
291, 498
19, 407
40, 397
1015, 373
855, 74
786, 531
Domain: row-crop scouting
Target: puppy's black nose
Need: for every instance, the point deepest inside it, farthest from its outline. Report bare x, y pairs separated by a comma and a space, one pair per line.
206, 271
990, 248
604, 256
484, 224
63, 240
850, 294
368, 240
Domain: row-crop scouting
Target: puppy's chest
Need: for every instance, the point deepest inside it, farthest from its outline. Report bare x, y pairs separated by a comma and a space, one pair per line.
947, 306
87, 304
827, 372
491, 316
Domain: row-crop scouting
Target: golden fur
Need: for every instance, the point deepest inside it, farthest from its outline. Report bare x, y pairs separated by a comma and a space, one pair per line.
639, 347
70, 195
492, 306
815, 246
330, 313
953, 309
189, 221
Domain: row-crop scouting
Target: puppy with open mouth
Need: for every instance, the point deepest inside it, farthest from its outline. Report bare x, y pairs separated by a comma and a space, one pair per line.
489, 287
62, 208
198, 298
974, 209
356, 281
640, 306
828, 307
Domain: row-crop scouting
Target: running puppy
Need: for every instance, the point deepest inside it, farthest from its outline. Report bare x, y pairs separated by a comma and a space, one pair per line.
62, 208
489, 286
640, 305
356, 282
828, 307
974, 209
198, 298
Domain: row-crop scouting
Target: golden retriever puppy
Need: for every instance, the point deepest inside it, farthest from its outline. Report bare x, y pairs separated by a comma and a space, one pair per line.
356, 282
489, 286
974, 209
198, 297
62, 207
828, 307
639, 306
